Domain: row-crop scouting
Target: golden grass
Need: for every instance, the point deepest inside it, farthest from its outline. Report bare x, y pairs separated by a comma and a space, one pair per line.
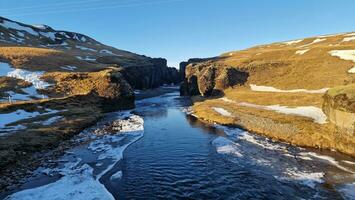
42, 59
348, 90
244, 94
279, 66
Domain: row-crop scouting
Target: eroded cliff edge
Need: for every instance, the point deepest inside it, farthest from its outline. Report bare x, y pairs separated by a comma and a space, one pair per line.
300, 91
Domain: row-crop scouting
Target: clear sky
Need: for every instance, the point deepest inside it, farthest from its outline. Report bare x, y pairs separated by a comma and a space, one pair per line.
182, 29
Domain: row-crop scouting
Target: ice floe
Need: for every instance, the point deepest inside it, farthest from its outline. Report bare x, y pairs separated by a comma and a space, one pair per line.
226, 146
301, 52
116, 176
222, 111
245, 147
344, 54
77, 183
272, 89
311, 179
328, 159
80, 176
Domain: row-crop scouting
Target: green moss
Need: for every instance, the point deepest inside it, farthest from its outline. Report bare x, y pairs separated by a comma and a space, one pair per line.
348, 90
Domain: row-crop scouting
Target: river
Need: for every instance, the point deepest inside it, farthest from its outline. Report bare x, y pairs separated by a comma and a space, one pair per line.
164, 153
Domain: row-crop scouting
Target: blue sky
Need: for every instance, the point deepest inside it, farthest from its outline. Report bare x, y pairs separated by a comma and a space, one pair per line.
181, 29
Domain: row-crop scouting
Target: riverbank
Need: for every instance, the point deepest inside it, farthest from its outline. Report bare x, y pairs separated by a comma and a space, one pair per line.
48, 135
305, 126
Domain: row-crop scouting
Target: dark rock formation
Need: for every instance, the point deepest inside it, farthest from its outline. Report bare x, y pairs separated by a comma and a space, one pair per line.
207, 80
150, 76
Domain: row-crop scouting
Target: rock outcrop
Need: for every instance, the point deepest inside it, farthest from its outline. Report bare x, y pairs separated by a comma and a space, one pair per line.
339, 106
150, 76
208, 80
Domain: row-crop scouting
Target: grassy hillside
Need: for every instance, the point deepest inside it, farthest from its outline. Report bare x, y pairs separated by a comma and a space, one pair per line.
283, 93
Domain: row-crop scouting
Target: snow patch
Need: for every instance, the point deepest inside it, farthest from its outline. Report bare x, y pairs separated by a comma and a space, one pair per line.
32, 77
85, 48
344, 54
86, 58
348, 39
50, 35
272, 89
69, 68
40, 26
352, 70
107, 52
293, 42
51, 120
301, 52
305, 111
8, 118
16, 26
314, 42
222, 111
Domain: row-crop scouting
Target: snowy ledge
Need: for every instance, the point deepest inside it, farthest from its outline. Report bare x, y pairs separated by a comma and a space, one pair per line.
272, 89
305, 111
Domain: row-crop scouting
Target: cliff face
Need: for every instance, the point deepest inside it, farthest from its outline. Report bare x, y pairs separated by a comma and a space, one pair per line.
207, 79
339, 106
299, 91
150, 76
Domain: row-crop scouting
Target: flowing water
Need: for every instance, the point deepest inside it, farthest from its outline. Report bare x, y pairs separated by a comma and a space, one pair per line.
175, 156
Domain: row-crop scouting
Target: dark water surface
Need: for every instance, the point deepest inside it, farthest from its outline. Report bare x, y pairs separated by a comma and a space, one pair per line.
178, 157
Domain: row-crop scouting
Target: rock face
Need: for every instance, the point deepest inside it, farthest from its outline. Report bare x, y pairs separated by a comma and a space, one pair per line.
207, 80
108, 85
150, 76
339, 106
